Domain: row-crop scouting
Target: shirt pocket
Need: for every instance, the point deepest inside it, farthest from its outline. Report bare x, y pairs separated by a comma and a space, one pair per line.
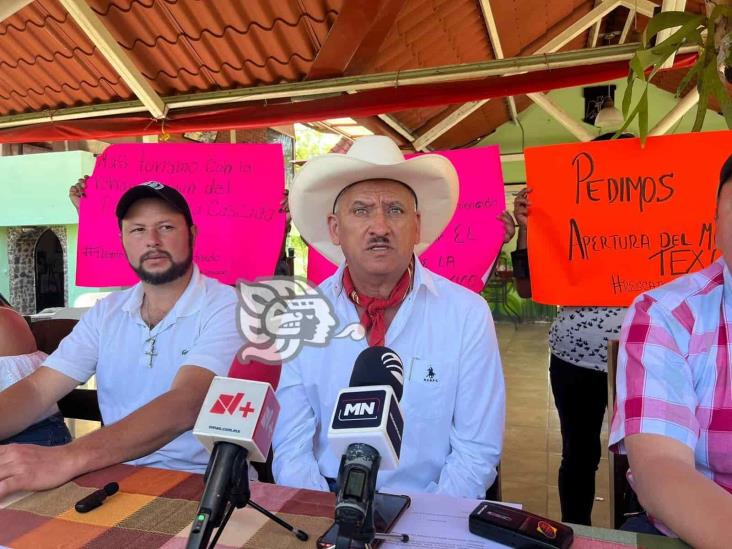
428, 394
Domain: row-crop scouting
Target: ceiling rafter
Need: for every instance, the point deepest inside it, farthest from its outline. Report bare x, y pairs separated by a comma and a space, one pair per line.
595, 30
683, 106
564, 37
490, 23
10, 7
626, 27
100, 36
319, 88
356, 35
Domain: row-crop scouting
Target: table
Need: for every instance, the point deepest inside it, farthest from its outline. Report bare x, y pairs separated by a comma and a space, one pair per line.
155, 507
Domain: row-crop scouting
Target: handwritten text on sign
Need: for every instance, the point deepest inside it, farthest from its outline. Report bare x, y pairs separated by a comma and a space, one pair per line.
468, 246
610, 219
233, 192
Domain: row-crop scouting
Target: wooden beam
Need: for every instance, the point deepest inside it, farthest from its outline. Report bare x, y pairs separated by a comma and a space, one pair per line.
454, 118
395, 125
595, 30
371, 44
575, 29
579, 26
643, 7
490, 24
352, 27
573, 126
683, 106
626, 28
295, 90
100, 36
353, 40
9, 7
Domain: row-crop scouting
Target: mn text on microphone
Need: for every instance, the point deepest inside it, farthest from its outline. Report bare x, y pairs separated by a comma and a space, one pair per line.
368, 411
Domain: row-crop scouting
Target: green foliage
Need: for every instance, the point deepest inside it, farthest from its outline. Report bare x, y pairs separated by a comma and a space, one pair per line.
308, 143
648, 59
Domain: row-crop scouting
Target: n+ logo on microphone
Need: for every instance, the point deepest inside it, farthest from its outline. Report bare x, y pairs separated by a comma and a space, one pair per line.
229, 404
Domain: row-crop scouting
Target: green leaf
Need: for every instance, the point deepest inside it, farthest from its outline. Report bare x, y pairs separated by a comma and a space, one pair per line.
706, 83
669, 20
693, 73
640, 110
720, 11
687, 33
628, 95
719, 91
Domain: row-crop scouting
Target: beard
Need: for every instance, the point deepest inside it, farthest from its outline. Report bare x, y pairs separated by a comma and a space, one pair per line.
174, 272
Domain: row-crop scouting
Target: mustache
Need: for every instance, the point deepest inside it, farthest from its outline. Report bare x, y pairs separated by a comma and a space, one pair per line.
150, 254
377, 240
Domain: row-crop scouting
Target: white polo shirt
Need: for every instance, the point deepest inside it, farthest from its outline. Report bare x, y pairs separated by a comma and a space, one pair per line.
453, 401
112, 341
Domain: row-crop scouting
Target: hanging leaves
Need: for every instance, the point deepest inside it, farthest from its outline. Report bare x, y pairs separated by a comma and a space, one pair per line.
691, 29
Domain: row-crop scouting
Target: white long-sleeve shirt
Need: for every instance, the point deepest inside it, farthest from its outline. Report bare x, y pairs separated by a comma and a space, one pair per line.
453, 419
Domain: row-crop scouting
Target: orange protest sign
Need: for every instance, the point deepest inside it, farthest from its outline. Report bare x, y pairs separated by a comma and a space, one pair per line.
609, 219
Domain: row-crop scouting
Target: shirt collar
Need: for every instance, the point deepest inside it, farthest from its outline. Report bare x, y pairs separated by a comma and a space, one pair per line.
190, 301
422, 277
727, 276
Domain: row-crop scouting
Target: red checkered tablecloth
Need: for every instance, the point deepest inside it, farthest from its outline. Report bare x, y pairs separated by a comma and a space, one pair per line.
155, 508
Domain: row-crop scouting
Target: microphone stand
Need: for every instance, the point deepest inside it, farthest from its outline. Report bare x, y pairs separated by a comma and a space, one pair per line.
216, 508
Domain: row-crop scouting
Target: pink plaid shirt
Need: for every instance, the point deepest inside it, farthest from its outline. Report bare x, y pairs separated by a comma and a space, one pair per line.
675, 370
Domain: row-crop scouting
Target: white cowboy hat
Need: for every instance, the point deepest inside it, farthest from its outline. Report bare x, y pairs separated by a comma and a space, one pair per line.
432, 178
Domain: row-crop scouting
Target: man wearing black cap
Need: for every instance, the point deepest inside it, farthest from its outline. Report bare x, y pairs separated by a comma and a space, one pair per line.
673, 413
154, 349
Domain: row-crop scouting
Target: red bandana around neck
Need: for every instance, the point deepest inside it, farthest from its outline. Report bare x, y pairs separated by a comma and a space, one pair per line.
372, 317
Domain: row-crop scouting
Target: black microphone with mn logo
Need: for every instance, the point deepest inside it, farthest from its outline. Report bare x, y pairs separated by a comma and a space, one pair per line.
366, 427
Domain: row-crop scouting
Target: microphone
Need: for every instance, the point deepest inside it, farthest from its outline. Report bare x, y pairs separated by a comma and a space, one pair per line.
238, 412
366, 428
95, 499
368, 411
235, 423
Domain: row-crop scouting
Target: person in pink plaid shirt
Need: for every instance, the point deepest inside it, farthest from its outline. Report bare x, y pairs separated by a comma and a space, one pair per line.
673, 413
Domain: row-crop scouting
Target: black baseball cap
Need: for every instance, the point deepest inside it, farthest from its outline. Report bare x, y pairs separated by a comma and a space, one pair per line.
153, 189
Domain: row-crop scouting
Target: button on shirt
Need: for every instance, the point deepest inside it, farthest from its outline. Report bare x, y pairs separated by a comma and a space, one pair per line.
113, 341
453, 402
675, 370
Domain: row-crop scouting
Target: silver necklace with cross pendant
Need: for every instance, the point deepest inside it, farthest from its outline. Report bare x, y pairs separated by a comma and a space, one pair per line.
151, 353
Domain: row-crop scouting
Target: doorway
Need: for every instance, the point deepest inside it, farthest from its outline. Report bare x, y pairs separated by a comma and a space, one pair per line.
49, 270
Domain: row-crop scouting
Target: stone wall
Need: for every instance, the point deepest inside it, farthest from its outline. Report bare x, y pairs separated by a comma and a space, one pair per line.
21, 259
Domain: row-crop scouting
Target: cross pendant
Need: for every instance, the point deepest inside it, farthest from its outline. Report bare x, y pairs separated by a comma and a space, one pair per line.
151, 353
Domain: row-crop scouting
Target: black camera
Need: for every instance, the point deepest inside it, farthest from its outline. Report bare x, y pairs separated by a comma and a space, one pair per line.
356, 490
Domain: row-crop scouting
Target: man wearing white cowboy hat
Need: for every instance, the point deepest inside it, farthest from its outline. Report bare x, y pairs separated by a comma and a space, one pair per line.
377, 212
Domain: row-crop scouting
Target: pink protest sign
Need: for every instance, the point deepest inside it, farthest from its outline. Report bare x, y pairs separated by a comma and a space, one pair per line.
468, 246
233, 192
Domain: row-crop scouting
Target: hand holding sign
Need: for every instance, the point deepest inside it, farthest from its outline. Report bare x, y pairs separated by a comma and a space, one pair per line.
233, 192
